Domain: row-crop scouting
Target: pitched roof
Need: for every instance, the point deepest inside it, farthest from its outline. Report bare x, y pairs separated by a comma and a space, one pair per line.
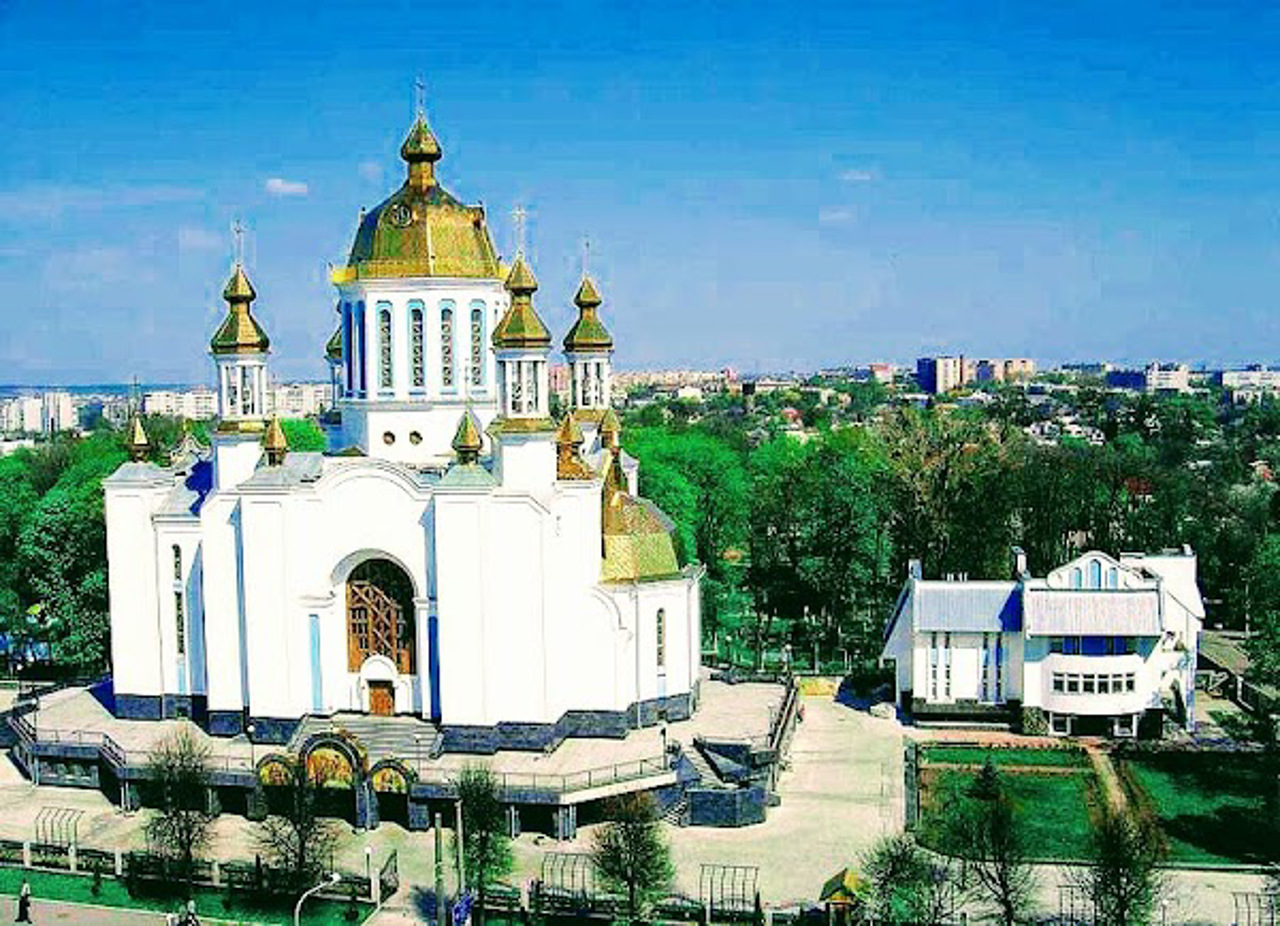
966, 607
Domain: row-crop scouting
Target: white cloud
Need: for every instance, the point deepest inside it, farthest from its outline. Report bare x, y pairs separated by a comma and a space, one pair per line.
370, 170
278, 186
857, 176
50, 202
200, 239
836, 215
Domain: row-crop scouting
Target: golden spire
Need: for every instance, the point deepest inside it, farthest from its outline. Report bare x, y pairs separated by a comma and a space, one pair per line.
521, 326
420, 151
274, 442
588, 332
239, 332
610, 430
466, 440
569, 462
138, 444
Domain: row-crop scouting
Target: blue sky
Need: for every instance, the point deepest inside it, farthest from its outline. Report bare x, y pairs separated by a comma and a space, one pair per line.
766, 186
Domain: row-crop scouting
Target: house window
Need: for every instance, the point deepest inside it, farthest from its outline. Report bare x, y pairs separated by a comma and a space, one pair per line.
180, 621
446, 345
1073, 684
946, 665
384, 345
477, 343
1129, 682
1088, 685
1124, 725
1095, 574
177, 563
1055, 644
1060, 724
1059, 682
362, 354
1113, 578
661, 630
1077, 578
999, 668
1104, 684
417, 357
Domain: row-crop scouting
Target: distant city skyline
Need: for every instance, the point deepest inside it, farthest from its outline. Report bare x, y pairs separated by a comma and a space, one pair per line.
786, 190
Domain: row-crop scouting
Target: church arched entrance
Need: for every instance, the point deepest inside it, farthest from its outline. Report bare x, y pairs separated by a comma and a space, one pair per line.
380, 623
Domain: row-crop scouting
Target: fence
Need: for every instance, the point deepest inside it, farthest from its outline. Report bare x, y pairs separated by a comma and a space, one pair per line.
560, 783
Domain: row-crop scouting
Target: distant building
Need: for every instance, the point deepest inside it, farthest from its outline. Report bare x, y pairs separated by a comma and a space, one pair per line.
198, 404
1089, 368
1249, 384
1155, 377
937, 375
879, 372
299, 400
1097, 645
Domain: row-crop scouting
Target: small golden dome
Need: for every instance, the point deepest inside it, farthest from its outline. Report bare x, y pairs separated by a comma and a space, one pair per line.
521, 326
239, 332
274, 442
138, 443
420, 144
466, 440
569, 434
588, 332
610, 430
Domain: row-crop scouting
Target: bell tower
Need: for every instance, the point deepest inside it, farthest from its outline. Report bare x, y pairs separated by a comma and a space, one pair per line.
239, 349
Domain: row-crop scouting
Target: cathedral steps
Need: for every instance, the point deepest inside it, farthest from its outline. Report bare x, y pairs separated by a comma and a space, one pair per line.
707, 776
382, 737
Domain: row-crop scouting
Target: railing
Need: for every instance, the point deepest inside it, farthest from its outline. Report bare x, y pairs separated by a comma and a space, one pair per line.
561, 783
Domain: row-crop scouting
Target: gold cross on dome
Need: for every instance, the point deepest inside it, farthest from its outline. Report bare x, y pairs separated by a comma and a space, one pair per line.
237, 230
419, 96
520, 215
586, 253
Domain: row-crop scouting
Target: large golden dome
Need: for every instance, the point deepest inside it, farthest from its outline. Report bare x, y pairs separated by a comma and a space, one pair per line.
421, 230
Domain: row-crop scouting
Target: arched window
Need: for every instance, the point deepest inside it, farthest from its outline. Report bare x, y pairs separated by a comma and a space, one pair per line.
477, 343
384, 345
1095, 574
1077, 577
1113, 578
446, 345
418, 359
177, 563
532, 403
180, 623
361, 354
661, 631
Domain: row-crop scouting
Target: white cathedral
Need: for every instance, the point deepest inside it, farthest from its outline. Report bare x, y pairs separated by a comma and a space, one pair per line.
456, 555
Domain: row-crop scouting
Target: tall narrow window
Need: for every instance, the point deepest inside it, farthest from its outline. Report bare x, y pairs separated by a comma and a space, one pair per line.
180, 621
348, 362
477, 343
533, 388
661, 631
384, 346
1095, 574
177, 563
246, 391
415, 337
446, 345
362, 354
516, 375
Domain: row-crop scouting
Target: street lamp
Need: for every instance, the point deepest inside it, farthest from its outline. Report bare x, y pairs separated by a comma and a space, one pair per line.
333, 878
249, 731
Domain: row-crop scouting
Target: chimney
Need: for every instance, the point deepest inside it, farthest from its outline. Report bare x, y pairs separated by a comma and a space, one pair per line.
1019, 563
914, 569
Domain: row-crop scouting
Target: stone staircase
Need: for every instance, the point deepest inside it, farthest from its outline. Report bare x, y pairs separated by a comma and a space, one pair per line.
382, 737
678, 813
706, 774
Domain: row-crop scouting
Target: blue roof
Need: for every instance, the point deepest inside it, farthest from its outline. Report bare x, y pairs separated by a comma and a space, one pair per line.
967, 607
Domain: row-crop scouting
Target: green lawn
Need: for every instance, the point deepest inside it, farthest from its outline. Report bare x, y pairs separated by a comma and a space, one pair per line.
79, 889
1210, 805
1071, 757
1054, 809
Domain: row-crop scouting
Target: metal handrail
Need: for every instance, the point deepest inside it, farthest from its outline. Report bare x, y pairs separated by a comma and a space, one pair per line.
561, 782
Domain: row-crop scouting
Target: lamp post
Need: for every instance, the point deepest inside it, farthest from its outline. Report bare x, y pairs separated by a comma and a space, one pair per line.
417, 752
368, 863
333, 878
249, 732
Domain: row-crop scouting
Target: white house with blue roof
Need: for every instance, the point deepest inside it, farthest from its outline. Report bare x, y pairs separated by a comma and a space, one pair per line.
1098, 646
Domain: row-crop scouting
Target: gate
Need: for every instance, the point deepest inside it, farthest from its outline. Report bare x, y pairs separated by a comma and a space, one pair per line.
389, 877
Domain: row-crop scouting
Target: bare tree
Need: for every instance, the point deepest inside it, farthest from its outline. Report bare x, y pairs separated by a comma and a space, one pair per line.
178, 777
485, 844
906, 883
630, 854
297, 838
1123, 879
984, 831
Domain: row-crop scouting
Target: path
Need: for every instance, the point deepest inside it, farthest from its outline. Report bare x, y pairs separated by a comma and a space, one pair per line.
1106, 772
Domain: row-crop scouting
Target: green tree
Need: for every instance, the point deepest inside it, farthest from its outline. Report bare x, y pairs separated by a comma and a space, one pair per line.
630, 854
304, 435
486, 846
178, 773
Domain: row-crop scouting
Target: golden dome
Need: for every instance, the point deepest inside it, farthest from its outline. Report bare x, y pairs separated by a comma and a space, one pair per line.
274, 442
239, 332
521, 326
610, 430
422, 230
588, 332
138, 444
466, 440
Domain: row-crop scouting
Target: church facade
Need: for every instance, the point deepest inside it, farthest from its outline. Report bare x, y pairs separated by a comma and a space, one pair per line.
455, 555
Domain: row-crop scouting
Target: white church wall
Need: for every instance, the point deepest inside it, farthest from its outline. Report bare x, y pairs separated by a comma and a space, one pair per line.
272, 651
136, 656
526, 462
221, 593
461, 599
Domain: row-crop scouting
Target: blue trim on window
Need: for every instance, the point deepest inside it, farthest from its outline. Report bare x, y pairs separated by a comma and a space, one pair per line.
433, 664
317, 680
